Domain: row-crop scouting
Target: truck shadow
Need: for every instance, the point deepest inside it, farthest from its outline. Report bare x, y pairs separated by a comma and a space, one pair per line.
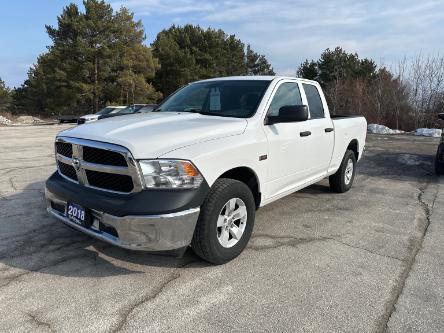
400, 158
390, 166
33, 241
397, 166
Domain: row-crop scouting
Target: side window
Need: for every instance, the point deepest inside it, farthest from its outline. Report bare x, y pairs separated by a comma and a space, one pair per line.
314, 101
287, 94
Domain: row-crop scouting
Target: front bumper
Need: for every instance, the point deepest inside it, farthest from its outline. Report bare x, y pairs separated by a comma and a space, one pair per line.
157, 232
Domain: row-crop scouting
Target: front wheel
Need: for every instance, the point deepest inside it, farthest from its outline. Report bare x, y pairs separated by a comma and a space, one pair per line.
225, 222
342, 180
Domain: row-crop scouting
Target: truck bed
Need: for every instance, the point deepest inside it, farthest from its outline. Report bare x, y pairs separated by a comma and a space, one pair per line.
343, 116
347, 128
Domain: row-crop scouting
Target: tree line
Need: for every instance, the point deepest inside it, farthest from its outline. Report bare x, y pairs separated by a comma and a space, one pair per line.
98, 57
406, 96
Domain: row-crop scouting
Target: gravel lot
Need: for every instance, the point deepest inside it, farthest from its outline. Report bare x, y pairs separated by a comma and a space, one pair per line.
369, 260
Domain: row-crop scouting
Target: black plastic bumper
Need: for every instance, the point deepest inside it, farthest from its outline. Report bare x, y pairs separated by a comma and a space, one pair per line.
146, 202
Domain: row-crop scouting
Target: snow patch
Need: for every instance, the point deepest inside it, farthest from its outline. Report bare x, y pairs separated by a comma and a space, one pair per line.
5, 121
433, 132
28, 120
381, 129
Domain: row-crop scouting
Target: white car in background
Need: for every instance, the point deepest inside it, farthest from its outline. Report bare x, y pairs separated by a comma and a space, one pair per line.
132, 109
96, 116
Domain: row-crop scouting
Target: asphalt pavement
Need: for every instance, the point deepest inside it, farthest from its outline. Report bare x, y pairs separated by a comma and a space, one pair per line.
369, 260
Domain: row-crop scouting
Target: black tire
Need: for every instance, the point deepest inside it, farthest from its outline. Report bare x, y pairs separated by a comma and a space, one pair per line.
337, 181
439, 167
205, 241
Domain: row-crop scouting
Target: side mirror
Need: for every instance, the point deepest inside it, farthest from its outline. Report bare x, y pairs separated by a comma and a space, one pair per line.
289, 114
441, 116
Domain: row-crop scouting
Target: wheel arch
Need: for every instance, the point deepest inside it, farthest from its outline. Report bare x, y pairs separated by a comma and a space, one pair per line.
249, 177
354, 147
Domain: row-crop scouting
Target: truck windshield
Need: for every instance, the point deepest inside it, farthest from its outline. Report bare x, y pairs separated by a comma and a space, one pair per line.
227, 98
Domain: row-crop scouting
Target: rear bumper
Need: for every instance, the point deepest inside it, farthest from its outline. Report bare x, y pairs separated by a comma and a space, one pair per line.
157, 232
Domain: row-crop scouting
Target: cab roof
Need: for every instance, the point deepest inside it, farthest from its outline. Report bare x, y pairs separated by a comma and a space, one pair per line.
256, 78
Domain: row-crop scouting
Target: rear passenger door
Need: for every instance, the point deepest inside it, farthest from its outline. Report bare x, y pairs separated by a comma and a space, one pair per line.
322, 131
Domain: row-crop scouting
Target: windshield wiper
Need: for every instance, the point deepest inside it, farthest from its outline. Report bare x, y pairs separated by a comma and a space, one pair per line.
187, 110
194, 111
205, 113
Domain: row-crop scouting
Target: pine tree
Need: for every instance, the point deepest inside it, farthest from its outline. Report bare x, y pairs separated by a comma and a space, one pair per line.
97, 57
257, 64
335, 65
190, 53
308, 70
5, 96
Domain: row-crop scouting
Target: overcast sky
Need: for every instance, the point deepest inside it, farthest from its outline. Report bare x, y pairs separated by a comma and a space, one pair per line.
287, 31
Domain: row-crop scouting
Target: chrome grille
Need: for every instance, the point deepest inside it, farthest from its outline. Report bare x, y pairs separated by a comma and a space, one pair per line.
64, 149
99, 165
68, 171
101, 156
113, 182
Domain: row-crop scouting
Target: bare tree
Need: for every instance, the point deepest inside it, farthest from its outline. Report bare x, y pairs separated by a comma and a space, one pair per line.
406, 96
425, 77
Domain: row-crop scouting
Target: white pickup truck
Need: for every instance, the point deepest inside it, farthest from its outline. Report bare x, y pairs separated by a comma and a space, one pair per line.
195, 170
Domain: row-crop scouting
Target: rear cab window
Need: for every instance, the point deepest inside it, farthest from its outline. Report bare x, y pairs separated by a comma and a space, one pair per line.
315, 106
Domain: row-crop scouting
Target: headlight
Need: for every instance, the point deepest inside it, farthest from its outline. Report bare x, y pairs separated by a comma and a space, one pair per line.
170, 174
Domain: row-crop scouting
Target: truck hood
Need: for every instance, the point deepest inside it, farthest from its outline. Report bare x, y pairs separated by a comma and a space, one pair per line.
151, 135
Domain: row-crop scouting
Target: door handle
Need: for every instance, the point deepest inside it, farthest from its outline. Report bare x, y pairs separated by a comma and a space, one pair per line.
329, 129
306, 133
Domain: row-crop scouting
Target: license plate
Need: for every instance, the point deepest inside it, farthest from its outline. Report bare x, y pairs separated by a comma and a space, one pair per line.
77, 214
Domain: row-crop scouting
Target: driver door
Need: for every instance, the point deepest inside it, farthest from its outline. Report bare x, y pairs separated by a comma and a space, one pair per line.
289, 144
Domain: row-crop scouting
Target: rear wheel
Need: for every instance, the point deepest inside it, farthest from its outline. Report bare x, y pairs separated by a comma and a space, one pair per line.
342, 180
439, 166
225, 222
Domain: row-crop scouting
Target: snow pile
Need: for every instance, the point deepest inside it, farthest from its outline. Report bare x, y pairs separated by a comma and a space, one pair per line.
28, 120
4, 121
434, 132
381, 129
